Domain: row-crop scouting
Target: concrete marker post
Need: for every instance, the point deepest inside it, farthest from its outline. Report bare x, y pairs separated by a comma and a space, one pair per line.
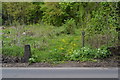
27, 53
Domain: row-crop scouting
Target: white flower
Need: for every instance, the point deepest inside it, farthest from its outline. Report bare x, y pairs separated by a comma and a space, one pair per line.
24, 33
98, 48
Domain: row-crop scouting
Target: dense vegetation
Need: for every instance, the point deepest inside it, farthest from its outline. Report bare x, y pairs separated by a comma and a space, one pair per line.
53, 29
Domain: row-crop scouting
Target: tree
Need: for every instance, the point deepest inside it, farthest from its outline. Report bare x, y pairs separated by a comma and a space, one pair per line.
18, 12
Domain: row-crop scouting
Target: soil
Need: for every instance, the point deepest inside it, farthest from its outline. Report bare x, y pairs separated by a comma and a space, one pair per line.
15, 62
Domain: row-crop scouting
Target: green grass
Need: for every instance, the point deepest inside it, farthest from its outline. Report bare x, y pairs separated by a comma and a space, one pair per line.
49, 44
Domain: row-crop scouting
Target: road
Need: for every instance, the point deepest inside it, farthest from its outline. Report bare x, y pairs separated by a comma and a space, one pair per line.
60, 72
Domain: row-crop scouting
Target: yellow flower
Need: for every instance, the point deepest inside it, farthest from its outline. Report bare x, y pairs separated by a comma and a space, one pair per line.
61, 48
70, 52
74, 44
63, 40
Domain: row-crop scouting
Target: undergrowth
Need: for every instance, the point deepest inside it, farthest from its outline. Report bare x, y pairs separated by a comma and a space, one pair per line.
50, 44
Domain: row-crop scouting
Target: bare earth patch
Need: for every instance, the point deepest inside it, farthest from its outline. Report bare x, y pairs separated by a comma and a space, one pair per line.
108, 62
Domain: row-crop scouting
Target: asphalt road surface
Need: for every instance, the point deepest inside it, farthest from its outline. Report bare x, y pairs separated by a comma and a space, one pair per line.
60, 72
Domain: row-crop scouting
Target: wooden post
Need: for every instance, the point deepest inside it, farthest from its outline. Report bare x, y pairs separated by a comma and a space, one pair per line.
83, 37
27, 53
118, 30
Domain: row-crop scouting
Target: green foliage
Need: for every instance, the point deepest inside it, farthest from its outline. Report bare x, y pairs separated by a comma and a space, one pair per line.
12, 51
47, 46
55, 13
52, 43
70, 26
52, 13
102, 52
22, 12
87, 53
32, 60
